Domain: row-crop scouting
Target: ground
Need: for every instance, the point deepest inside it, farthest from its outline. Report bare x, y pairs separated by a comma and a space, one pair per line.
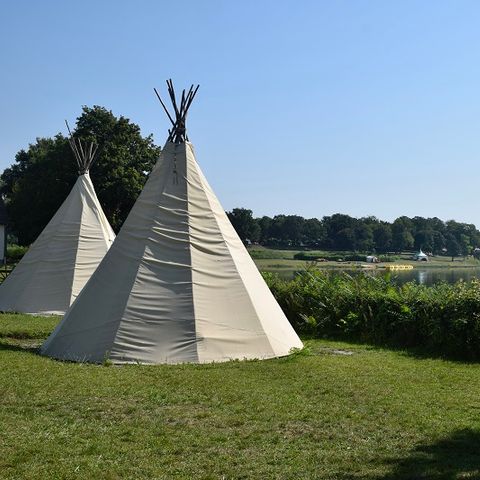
334, 411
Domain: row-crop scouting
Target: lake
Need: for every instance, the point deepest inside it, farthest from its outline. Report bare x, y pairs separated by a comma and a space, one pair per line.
429, 276
423, 276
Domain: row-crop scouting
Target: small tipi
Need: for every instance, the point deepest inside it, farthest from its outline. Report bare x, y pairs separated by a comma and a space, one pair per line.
177, 285
61, 260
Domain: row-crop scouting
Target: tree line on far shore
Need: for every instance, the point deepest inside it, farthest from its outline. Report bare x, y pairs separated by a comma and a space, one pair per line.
366, 234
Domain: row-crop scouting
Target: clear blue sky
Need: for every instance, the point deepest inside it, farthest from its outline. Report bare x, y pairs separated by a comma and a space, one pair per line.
306, 107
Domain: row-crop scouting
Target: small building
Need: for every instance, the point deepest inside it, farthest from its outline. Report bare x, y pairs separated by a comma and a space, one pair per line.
420, 256
372, 259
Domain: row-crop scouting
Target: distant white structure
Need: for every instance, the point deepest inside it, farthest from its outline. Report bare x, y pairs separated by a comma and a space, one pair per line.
372, 259
420, 256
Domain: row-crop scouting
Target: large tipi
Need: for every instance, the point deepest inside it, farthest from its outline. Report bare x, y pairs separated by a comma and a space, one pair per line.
58, 264
177, 285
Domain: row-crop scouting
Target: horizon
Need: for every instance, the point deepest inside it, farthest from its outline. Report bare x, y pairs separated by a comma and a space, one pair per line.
368, 110
444, 220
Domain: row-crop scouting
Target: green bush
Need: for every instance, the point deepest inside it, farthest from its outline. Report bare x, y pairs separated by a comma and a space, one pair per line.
332, 257
442, 319
339, 256
269, 254
388, 258
15, 253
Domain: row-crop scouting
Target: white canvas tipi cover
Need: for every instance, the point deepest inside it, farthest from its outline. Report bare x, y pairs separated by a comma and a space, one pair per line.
58, 264
177, 285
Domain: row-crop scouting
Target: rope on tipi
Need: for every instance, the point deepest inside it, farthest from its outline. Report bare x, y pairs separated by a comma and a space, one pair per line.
84, 152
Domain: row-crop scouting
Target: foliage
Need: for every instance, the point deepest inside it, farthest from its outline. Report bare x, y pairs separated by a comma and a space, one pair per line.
339, 257
442, 319
388, 258
15, 252
366, 234
267, 253
42, 176
330, 256
245, 225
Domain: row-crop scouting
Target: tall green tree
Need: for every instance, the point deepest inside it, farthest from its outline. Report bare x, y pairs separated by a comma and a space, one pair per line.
245, 225
293, 228
382, 237
453, 247
42, 176
125, 160
265, 223
364, 237
424, 239
339, 230
313, 232
402, 237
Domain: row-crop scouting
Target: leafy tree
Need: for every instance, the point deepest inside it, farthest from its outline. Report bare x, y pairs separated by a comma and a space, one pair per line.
345, 239
276, 228
363, 237
245, 225
42, 176
439, 242
265, 224
293, 228
125, 160
382, 237
343, 232
36, 185
313, 232
424, 239
402, 239
465, 247
334, 226
453, 247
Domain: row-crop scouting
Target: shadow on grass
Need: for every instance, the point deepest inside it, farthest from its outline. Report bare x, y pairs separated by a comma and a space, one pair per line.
454, 457
418, 352
19, 347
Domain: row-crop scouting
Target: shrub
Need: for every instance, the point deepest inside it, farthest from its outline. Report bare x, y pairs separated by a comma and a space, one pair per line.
442, 319
388, 258
333, 257
15, 253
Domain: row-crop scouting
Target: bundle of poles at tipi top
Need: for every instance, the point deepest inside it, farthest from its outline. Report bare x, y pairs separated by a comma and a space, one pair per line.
178, 132
62, 259
84, 153
177, 285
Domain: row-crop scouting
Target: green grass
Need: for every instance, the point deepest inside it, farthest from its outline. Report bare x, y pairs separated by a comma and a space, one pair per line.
320, 414
259, 252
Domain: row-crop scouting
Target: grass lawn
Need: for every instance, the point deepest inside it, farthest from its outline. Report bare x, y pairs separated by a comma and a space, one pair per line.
321, 414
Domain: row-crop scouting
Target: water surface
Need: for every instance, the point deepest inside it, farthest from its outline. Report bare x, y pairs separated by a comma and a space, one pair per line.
423, 276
